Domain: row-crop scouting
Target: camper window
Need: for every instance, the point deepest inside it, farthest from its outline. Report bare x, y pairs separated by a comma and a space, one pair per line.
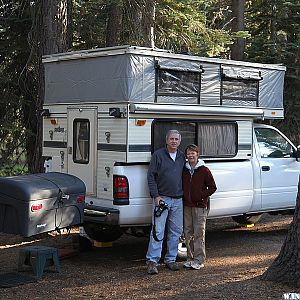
172, 85
239, 92
81, 141
216, 139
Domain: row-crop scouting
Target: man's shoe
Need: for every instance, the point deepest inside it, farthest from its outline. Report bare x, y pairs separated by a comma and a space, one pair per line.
152, 268
172, 266
196, 265
187, 264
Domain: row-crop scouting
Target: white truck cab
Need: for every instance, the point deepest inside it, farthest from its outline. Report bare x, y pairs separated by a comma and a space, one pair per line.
106, 111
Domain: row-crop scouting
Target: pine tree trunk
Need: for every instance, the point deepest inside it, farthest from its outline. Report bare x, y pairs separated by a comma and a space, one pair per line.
140, 15
148, 24
286, 267
50, 35
238, 24
114, 23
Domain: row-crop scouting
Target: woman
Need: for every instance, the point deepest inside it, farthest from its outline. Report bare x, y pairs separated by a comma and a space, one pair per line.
198, 185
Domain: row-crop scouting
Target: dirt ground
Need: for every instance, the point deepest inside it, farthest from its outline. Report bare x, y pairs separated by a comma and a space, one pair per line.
236, 257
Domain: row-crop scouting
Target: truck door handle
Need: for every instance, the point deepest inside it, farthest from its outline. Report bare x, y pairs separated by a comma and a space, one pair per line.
265, 168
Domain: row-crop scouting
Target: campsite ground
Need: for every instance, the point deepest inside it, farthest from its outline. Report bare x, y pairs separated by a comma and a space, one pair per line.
237, 256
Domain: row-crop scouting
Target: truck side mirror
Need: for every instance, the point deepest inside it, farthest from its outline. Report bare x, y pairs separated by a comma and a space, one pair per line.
297, 153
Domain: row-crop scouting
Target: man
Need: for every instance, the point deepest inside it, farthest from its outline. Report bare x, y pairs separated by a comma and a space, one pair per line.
165, 184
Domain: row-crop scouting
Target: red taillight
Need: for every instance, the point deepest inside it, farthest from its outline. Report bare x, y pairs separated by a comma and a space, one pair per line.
121, 188
80, 199
36, 207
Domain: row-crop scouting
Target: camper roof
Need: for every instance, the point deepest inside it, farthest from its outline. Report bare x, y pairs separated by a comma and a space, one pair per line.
118, 50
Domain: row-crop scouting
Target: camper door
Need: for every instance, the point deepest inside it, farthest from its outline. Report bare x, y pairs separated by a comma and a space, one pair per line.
82, 128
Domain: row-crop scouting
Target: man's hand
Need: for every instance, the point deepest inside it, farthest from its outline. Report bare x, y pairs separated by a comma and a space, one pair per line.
157, 200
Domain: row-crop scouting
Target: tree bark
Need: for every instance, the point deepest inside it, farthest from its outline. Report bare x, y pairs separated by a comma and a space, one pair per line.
114, 23
286, 267
148, 24
140, 15
50, 34
238, 24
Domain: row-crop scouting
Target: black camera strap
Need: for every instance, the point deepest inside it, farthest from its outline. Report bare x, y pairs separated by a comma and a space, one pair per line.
154, 232
156, 214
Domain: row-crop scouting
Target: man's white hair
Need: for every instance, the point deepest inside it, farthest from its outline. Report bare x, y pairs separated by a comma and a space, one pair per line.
173, 131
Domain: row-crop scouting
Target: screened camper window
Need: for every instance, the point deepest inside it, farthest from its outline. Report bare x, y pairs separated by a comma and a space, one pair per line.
239, 92
215, 139
81, 141
172, 85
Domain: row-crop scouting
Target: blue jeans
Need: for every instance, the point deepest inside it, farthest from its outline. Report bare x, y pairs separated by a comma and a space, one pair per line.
173, 218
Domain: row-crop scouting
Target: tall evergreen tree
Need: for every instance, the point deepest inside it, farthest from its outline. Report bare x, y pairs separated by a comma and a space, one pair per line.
274, 26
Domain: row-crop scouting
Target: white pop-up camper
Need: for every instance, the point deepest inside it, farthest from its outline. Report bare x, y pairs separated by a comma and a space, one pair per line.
106, 110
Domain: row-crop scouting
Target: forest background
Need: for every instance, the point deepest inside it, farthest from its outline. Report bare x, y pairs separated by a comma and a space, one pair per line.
264, 31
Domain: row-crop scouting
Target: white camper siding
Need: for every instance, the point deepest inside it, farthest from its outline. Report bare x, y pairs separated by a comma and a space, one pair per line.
55, 147
139, 141
106, 161
210, 85
117, 129
244, 139
59, 130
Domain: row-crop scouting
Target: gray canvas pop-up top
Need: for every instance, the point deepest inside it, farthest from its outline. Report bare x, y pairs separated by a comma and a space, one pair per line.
130, 74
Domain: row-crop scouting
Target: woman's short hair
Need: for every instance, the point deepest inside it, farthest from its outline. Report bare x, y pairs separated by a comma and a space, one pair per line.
192, 147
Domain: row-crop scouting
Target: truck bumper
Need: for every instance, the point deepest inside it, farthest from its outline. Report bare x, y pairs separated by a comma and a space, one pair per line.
101, 215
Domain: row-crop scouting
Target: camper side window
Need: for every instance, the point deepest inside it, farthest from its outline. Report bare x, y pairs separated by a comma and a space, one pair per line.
272, 144
172, 85
239, 92
216, 139
81, 141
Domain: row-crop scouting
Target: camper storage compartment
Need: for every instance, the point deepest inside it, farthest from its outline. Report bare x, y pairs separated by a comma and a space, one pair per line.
37, 203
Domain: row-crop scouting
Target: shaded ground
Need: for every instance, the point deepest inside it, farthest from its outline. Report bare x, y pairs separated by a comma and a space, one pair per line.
236, 259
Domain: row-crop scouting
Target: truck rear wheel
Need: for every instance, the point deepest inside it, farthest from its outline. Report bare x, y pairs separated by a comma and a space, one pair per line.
247, 219
102, 233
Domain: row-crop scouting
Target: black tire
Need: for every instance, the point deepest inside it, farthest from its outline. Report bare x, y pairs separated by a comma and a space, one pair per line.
102, 233
247, 219
84, 244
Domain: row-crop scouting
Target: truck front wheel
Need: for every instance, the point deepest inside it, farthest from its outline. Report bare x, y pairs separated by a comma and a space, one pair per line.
246, 219
102, 233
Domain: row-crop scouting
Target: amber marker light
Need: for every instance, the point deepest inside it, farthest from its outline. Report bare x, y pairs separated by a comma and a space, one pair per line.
53, 121
140, 122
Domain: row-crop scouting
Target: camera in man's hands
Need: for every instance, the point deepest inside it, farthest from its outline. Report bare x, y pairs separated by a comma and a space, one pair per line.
162, 206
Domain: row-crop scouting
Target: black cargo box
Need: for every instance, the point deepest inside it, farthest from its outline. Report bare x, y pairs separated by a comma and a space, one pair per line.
36, 203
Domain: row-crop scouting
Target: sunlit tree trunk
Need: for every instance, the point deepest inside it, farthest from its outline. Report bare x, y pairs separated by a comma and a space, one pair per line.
148, 24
